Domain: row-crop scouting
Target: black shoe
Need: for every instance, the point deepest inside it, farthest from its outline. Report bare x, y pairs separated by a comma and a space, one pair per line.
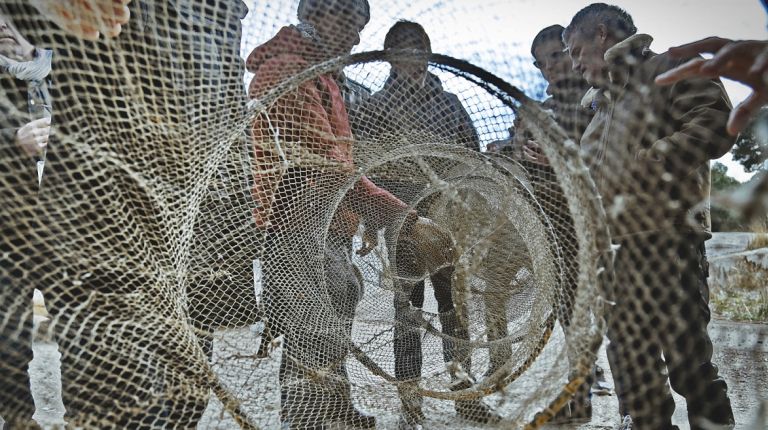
477, 411
703, 423
717, 416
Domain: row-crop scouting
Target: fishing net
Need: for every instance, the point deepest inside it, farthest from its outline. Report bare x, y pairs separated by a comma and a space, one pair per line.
323, 240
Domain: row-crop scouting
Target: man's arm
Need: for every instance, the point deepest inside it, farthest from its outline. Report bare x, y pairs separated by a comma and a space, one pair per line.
700, 108
745, 61
301, 118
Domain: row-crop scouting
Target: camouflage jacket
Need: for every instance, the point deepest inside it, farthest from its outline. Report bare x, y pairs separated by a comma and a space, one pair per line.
648, 147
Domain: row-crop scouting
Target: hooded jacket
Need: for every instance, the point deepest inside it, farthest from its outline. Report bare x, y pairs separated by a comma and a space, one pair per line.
403, 113
305, 138
648, 147
428, 109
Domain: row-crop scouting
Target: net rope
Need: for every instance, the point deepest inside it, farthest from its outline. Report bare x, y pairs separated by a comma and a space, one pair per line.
330, 239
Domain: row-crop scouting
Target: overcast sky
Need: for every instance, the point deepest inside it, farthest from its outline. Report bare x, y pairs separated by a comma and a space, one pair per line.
497, 34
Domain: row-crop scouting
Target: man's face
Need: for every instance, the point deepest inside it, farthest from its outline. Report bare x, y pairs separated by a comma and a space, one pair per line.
341, 32
554, 64
588, 56
413, 70
12, 44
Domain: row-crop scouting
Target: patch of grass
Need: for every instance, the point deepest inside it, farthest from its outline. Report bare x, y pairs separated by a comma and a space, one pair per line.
760, 241
743, 293
761, 237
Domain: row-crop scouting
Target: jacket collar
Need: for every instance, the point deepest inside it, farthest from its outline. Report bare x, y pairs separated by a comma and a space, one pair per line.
625, 55
431, 88
35, 70
621, 58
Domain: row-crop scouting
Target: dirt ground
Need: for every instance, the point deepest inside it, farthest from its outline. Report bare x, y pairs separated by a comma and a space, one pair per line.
741, 352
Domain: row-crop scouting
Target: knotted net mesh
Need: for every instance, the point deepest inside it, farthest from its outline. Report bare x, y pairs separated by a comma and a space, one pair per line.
329, 238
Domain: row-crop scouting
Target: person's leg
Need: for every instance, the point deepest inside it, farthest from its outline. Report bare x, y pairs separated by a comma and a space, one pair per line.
16, 403
276, 310
133, 383
580, 407
18, 277
188, 415
455, 347
315, 387
407, 336
120, 362
345, 290
689, 358
408, 300
453, 328
634, 351
496, 327
506, 270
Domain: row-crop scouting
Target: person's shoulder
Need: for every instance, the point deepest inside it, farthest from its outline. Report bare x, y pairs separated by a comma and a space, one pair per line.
452, 98
549, 103
448, 98
655, 63
277, 69
377, 100
283, 50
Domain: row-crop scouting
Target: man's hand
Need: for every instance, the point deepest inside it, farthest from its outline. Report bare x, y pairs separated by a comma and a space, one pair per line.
86, 19
32, 138
745, 61
533, 153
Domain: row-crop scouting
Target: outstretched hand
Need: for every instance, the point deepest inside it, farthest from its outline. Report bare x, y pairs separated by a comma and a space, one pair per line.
745, 61
86, 19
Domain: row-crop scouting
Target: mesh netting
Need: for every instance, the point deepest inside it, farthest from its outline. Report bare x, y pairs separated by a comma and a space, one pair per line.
333, 238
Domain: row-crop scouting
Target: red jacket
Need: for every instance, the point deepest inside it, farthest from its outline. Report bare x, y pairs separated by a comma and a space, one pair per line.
313, 130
